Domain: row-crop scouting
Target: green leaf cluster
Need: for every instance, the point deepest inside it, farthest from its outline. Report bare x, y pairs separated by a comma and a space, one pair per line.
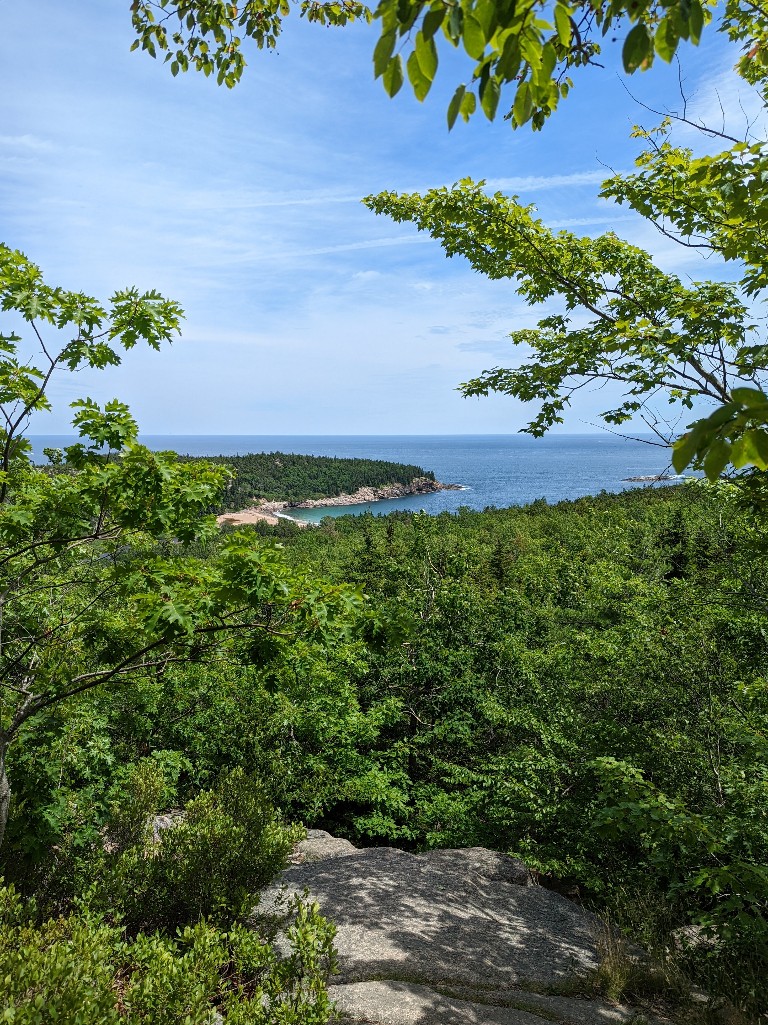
99, 585
221, 848
658, 337
621, 319
208, 36
527, 49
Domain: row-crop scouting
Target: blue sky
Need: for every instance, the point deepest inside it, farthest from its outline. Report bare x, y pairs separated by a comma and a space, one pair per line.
305, 313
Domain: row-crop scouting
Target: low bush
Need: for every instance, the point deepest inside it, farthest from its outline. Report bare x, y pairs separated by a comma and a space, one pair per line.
225, 845
82, 970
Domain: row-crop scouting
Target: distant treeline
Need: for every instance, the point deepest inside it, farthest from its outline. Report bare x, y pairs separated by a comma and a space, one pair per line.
282, 476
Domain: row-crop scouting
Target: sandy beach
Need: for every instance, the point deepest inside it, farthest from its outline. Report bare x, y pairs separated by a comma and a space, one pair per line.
268, 512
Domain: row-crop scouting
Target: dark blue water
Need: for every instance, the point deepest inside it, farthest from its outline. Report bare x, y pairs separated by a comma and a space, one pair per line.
495, 469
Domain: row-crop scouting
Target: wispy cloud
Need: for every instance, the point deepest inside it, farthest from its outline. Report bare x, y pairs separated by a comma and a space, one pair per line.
239, 199
543, 183
25, 144
607, 217
498, 348
351, 247
724, 103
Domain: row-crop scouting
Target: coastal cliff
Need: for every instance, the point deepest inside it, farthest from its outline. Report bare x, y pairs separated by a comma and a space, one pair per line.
418, 486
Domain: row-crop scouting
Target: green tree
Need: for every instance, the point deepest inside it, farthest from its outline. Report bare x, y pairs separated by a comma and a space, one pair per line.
97, 585
649, 331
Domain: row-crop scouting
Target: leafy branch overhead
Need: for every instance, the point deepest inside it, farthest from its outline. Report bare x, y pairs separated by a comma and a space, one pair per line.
647, 330
207, 35
525, 49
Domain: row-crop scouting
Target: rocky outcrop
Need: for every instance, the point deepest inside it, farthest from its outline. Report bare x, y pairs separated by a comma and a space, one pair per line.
320, 846
403, 1003
456, 937
418, 486
653, 478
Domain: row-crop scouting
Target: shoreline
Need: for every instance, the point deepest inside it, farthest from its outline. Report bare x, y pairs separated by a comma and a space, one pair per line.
273, 512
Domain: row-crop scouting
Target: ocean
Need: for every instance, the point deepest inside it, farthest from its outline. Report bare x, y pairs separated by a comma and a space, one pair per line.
494, 469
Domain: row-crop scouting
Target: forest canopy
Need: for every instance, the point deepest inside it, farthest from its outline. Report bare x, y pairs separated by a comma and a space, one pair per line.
498, 706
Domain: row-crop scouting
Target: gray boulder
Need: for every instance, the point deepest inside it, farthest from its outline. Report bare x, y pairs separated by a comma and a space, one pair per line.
166, 820
451, 937
320, 846
427, 918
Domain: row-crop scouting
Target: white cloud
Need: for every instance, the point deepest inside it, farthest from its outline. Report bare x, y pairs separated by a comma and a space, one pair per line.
349, 247
495, 347
725, 103
608, 217
26, 144
543, 183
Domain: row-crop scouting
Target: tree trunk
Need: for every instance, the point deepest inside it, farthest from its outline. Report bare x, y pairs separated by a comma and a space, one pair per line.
5, 793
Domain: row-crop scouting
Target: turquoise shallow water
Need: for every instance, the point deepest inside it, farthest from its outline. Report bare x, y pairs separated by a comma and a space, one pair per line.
496, 470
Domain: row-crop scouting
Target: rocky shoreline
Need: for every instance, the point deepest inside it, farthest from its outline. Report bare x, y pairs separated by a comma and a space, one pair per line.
271, 512
654, 478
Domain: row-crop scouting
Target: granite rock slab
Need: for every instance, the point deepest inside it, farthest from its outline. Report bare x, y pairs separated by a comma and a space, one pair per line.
450, 937
402, 1003
439, 917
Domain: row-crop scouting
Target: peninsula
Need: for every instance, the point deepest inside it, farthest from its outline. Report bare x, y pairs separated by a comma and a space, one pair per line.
272, 511
266, 485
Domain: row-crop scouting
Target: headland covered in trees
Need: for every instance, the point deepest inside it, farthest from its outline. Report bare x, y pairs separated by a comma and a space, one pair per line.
263, 485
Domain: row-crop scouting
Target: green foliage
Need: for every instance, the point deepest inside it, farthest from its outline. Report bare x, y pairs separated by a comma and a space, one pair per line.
717, 203
646, 982
206, 35
106, 535
207, 863
528, 51
79, 969
724, 205
715, 860
648, 331
735, 433
645, 330
536, 647
523, 651
289, 477
524, 624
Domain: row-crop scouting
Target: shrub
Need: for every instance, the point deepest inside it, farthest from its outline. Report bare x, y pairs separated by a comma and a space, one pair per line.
226, 845
83, 971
